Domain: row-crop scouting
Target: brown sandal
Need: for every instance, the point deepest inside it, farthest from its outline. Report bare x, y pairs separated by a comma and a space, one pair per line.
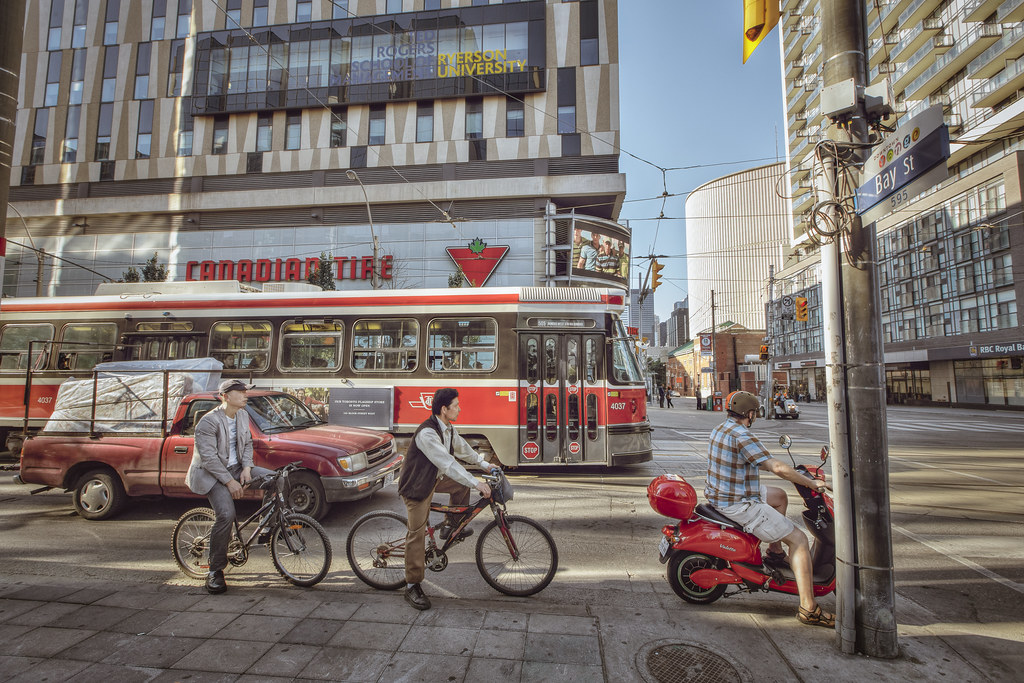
817, 617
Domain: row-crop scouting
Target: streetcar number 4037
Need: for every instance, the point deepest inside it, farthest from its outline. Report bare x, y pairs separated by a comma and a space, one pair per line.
618, 406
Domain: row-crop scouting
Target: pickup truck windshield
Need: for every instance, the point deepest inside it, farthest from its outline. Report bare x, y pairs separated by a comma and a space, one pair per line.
280, 413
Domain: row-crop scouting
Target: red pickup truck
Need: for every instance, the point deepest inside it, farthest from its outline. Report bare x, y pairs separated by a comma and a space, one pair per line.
104, 470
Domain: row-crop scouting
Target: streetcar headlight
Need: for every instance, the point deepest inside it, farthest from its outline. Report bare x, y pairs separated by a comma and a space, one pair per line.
353, 463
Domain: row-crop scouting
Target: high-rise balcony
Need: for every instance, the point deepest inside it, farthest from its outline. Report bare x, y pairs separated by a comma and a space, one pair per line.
880, 72
797, 94
793, 43
794, 70
880, 50
917, 10
884, 17
1000, 86
969, 46
1010, 11
913, 39
915, 64
991, 61
980, 10
811, 61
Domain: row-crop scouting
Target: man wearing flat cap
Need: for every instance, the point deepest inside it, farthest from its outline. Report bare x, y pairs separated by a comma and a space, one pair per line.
221, 463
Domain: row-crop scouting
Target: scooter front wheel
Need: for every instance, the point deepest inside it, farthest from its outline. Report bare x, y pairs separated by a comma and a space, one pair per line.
681, 567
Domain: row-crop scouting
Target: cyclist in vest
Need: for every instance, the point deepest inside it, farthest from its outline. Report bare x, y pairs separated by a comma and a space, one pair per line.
430, 466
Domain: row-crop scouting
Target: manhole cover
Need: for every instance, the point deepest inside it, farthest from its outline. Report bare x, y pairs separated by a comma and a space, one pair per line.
682, 663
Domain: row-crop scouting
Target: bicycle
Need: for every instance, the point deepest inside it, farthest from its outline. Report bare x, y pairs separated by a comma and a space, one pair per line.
298, 544
515, 555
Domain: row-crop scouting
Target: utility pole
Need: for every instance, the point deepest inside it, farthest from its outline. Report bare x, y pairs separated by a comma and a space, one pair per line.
855, 364
12, 21
769, 380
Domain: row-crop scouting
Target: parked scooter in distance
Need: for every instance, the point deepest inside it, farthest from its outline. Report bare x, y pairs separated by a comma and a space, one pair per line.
707, 552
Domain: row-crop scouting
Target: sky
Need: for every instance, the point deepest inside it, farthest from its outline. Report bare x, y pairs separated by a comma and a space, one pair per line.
686, 99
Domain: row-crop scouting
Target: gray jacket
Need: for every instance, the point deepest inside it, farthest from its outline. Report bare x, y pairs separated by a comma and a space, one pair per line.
210, 455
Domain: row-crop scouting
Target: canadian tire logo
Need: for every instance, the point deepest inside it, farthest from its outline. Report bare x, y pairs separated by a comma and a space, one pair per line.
531, 450
477, 261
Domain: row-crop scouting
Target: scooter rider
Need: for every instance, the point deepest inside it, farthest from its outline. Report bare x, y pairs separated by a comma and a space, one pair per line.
733, 486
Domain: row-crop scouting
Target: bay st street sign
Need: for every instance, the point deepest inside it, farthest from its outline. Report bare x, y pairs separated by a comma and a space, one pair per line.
908, 162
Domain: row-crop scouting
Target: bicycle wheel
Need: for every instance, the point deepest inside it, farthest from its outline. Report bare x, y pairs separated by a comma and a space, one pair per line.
376, 549
301, 550
525, 575
190, 542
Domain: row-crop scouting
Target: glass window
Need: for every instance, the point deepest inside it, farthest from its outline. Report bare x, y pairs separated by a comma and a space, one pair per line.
260, 13
185, 134
567, 120
241, 345
142, 65
293, 131
339, 9
474, 118
424, 122
238, 69
38, 153
393, 6
572, 362
532, 362
70, 152
144, 140
56, 22
625, 365
175, 75
84, 345
218, 71
81, 19
310, 345
264, 132
590, 360
385, 344
304, 10
514, 118
319, 60
184, 24
462, 344
339, 124
110, 26
220, 135
550, 361
14, 341
108, 89
233, 14
283, 413
377, 124
77, 77
52, 79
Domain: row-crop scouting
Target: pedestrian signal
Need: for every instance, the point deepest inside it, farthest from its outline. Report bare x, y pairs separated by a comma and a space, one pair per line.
759, 18
801, 307
764, 352
655, 274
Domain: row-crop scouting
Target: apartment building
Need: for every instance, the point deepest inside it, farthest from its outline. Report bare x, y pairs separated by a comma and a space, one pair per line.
949, 289
243, 139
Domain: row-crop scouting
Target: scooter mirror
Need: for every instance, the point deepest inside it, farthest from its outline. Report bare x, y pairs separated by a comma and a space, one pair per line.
785, 441
824, 453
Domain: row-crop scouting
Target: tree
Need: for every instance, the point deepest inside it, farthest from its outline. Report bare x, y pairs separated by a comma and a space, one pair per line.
321, 275
657, 370
456, 279
153, 271
131, 275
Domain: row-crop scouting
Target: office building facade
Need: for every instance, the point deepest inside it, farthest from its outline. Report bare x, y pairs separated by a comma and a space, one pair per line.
949, 293
245, 139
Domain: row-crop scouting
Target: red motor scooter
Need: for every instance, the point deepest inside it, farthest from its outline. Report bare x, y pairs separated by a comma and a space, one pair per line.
708, 552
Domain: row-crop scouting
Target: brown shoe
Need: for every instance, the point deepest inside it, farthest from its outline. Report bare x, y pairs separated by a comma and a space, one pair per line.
414, 596
816, 617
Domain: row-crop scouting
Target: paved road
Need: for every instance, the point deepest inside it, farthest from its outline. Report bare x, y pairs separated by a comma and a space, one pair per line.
955, 489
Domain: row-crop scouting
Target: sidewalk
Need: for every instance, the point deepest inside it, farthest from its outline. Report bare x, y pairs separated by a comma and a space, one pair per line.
91, 630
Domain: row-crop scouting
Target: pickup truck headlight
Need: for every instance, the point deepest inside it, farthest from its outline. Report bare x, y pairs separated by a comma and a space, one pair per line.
353, 463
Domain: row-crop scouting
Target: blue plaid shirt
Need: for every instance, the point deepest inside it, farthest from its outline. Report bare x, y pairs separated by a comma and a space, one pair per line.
733, 456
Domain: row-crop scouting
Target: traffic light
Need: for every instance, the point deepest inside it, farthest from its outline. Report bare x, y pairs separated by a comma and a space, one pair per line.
655, 274
759, 18
800, 305
764, 352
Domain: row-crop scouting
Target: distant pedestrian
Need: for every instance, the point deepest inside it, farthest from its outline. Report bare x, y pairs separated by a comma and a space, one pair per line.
668, 397
661, 395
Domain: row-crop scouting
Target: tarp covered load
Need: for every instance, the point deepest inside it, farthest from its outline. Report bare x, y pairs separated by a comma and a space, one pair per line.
130, 396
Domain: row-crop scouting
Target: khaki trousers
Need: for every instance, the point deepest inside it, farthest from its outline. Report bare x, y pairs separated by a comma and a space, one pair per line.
417, 512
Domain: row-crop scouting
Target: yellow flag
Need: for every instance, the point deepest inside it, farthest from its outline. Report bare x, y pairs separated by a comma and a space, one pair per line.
759, 18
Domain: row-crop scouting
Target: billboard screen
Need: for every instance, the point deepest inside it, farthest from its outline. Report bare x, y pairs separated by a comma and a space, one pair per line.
600, 252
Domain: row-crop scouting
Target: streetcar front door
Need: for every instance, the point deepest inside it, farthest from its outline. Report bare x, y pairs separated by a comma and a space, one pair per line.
561, 406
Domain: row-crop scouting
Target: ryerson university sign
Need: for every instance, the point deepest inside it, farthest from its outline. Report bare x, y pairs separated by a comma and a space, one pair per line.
421, 59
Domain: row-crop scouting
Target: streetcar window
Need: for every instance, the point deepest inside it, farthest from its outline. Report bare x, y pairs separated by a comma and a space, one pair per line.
462, 344
550, 361
241, 345
551, 417
83, 345
590, 360
572, 356
592, 417
625, 366
180, 325
310, 346
385, 345
14, 341
532, 364
574, 417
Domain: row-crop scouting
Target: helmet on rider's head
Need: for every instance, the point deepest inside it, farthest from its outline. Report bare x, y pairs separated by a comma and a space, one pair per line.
740, 403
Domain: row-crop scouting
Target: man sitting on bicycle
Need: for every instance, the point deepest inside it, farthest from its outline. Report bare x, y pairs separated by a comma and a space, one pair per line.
430, 466
221, 464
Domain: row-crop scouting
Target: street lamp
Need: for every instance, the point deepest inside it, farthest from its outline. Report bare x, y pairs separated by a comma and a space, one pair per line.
374, 280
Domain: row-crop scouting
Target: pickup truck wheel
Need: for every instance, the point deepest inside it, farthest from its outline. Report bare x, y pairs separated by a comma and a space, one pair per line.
306, 495
98, 495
